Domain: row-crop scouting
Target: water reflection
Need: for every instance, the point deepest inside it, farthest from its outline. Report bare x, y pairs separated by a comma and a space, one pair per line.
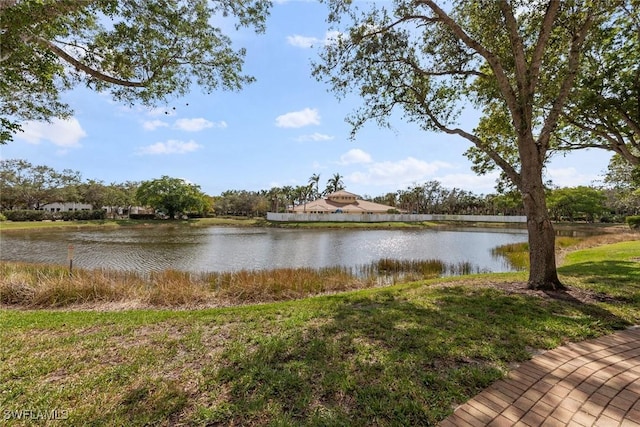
200, 249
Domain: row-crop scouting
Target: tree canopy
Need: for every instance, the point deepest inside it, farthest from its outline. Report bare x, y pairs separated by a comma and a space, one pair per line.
515, 61
624, 180
139, 51
24, 185
604, 111
172, 196
576, 203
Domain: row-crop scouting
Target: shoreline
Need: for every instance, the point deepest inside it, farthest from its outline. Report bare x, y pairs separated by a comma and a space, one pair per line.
38, 286
10, 226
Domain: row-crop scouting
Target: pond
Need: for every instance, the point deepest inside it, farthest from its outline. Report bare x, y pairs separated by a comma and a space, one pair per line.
200, 249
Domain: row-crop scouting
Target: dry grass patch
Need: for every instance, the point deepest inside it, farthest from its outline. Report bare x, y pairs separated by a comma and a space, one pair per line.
24, 285
47, 286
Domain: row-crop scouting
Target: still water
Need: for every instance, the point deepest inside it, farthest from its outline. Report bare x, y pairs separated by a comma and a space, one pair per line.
199, 249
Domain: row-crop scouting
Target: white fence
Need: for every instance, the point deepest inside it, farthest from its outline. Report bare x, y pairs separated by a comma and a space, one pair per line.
341, 217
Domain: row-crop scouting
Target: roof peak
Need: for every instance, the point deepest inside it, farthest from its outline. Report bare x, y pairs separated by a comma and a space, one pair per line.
342, 193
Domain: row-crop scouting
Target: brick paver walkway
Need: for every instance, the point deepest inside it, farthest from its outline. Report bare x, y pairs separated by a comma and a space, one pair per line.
591, 383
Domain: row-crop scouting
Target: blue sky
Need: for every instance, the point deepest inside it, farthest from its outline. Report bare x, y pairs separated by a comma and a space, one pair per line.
277, 131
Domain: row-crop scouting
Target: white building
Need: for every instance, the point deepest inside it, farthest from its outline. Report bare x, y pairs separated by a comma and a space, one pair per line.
66, 207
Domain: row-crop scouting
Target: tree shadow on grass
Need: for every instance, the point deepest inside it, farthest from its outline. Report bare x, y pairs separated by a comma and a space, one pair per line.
392, 357
615, 279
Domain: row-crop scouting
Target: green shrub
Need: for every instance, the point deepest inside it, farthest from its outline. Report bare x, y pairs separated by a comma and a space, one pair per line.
142, 216
34, 215
26, 215
634, 221
2, 217
83, 215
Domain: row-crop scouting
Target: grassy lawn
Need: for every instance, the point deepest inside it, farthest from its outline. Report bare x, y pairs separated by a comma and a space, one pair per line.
401, 355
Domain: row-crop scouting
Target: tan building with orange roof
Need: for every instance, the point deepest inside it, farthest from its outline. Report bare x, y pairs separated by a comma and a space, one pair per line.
342, 202
343, 206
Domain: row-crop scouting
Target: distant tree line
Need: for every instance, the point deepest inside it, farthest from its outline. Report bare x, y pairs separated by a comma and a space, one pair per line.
26, 187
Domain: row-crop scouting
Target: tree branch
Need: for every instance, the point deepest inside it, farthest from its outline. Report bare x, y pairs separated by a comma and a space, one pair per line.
400, 21
493, 60
633, 125
541, 43
418, 69
517, 49
494, 155
79, 65
573, 64
616, 141
413, 64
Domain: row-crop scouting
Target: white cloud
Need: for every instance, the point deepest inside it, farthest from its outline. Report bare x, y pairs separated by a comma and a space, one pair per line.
139, 110
307, 42
398, 174
301, 41
63, 133
570, 177
154, 124
355, 155
170, 147
187, 125
298, 119
478, 184
314, 137
196, 125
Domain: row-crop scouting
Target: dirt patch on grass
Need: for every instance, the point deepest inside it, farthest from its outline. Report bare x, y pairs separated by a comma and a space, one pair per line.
571, 294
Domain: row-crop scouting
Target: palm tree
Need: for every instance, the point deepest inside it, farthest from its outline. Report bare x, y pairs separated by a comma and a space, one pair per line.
275, 195
314, 182
288, 194
302, 193
334, 184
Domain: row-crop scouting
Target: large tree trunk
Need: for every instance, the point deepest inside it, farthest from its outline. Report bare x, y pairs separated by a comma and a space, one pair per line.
543, 274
